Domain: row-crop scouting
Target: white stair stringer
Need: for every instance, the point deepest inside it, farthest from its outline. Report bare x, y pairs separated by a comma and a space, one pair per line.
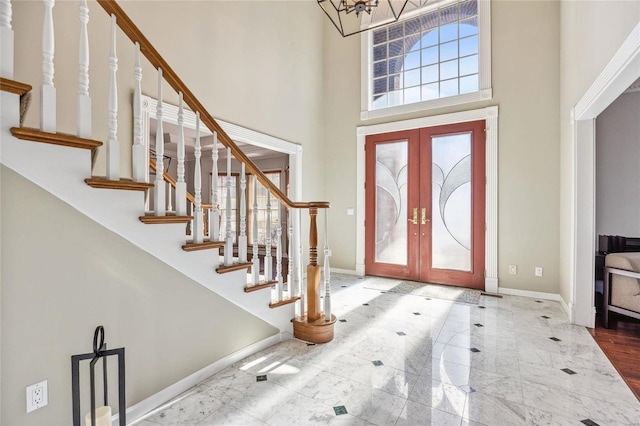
62, 170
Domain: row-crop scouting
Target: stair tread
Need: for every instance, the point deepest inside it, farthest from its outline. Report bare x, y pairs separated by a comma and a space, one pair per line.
13, 86
64, 139
261, 285
234, 267
123, 184
152, 220
284, 302
203, 246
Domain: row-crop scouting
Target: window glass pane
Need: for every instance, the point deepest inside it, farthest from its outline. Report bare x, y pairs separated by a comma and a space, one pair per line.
448, 88
449, 69
469, 27
380, 36
429, 56
449, 14
394, 82
469, 65
412, 95
430, 91
448, 32
430, 74
396, 31
412, 26
412, 78
395, 98
412, 42
449, 51
380, 52
379, 69
469, 84
412, 60
430, 20
430, 38
379, 86
468, 8
469, 46
396, 64
395, 47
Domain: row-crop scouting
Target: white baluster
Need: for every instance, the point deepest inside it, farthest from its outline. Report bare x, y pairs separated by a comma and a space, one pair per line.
84, 100
159, 190
280, 285
290, 280
138, 151
47, 90
6, 39
242, 238
214, 216
268, 267
169, 197
327, 269
113, 146
181, 184
198, 225
191, 211
228, 246
255, 259
299, 279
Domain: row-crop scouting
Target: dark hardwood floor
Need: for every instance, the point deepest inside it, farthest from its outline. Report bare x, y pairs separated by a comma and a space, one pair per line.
621, 344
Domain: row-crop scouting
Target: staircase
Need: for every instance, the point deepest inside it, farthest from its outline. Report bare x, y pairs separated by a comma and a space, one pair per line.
123, 206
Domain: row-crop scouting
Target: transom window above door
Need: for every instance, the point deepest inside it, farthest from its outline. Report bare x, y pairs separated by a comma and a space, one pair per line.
436, 57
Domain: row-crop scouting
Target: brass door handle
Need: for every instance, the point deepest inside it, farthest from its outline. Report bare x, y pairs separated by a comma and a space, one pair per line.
415, 216
424, 219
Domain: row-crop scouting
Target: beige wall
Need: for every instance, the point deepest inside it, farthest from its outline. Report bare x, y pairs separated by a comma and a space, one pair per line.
591, 32
64, 274
253, 63
525, 63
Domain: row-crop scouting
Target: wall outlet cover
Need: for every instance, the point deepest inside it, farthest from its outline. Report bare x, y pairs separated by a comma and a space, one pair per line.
37, 396
538, 271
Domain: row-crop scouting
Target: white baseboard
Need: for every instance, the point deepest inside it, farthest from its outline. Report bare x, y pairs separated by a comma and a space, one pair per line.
567, 308
360, 269
146, 406
344, 271
532, 294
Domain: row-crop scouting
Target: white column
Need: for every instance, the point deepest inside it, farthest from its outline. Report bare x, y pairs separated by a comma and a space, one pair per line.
268, 267
47, 90
290, 280
6, 39
138, 150
159, 201
113, 146
228, 246
242, 238
327, 270
181, 184
214, 215
255, 259
280, 289
84, 100
198, 221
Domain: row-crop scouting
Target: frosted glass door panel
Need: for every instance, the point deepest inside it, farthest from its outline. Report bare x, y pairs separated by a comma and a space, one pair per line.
451, 202
391, 202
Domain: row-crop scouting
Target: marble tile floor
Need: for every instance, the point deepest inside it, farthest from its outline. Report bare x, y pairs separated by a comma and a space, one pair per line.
404, 360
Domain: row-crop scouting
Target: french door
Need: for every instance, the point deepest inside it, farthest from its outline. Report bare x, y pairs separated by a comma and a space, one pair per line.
425, 204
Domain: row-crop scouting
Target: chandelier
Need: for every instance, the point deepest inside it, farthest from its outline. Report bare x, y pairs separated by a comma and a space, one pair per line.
355, 16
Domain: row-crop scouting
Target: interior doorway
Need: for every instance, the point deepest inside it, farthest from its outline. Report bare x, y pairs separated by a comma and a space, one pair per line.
425, 204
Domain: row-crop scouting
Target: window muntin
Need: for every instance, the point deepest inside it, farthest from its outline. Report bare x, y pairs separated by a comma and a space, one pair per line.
430, 56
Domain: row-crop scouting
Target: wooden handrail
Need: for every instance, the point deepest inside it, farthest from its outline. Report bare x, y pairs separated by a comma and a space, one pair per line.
171, 181
153, 56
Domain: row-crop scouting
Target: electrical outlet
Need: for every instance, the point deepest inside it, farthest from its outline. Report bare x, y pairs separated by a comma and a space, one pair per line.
538, 271
37, 396
513, 269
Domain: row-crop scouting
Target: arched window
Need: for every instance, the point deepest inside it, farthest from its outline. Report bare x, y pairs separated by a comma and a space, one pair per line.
434, 55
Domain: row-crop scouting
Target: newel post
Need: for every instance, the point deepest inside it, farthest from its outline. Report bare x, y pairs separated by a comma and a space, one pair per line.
313, 269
